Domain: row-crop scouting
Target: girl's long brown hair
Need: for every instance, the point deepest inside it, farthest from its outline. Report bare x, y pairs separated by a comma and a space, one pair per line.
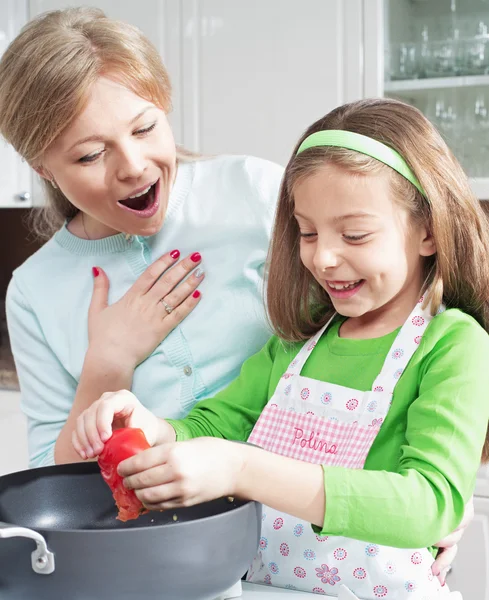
45, 77
457, 275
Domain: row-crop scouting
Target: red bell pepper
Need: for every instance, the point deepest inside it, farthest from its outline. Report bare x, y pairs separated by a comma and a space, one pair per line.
123, 443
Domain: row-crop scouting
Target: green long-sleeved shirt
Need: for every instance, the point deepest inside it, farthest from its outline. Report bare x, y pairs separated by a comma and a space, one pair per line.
421, 468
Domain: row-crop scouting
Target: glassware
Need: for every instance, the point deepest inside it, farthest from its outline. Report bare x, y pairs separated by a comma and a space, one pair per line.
402, 60
478, 130
442, 59
477, 52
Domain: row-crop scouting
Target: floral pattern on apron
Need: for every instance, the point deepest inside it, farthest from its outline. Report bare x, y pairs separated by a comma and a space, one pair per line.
324, 423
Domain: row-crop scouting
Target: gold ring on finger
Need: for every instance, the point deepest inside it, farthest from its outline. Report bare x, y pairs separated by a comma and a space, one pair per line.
168, 308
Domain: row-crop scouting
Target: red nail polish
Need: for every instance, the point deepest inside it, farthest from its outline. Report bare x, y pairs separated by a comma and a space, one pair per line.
196, 257
95, 271
175, 253
196, 294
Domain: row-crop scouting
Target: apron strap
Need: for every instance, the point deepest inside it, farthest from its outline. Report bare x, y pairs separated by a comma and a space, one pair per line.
404, 346
296, 365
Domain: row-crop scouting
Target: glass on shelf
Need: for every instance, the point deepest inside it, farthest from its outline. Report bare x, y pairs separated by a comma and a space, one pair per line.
462, 118
451, 52
402, 62
477, 52
443, 59
476, 141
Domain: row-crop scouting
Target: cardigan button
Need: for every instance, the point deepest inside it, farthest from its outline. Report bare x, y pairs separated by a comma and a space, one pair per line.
187, 370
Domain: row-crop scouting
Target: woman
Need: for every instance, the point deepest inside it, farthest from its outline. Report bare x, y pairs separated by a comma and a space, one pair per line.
84, 99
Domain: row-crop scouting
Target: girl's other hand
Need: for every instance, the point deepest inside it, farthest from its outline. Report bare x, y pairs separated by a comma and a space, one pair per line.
184, 473
449, 545
114, 410
131, 328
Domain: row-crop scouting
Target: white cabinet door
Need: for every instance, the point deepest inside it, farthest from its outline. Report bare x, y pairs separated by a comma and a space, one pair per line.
255, 74
471, 567
15, 175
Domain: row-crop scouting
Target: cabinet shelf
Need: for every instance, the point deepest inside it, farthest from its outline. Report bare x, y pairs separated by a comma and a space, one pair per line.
411, 85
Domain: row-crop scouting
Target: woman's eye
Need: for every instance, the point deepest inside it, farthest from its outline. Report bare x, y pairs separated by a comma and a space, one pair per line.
145, 129
89, 158
355, 238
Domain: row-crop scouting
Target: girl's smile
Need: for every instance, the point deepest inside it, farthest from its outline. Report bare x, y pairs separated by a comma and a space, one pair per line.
344, 289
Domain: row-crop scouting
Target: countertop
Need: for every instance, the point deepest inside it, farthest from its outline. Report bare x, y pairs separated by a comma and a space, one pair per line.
263, 592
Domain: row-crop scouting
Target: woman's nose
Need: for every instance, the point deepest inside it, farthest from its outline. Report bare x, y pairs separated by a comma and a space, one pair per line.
132, 163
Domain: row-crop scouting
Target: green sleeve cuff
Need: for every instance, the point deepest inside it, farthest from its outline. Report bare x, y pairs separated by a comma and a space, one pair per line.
336, 494
181, 430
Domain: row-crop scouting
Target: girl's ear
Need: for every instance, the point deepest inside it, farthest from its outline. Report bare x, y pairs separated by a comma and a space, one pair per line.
427, 246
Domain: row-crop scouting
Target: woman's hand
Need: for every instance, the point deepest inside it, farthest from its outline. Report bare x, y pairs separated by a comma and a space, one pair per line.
131, 328
449, 545
184, 473
114, 410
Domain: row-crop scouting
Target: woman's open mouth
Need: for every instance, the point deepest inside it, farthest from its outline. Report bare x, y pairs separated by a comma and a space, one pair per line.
145, 204
343, 289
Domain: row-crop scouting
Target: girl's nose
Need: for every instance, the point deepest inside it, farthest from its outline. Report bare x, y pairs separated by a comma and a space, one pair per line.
325, 258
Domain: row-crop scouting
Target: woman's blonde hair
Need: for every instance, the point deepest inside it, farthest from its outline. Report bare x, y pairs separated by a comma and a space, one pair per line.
45, 77
457, 275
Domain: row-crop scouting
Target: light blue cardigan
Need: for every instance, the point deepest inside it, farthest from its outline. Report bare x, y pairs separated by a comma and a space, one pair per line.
223, 208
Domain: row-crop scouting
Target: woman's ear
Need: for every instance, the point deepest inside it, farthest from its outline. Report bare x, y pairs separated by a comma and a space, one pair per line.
427, 246
43, 172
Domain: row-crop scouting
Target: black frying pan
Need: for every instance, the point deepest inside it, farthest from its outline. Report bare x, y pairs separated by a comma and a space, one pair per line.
192, 553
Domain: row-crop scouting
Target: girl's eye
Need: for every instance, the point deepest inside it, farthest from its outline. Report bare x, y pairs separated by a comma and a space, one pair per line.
145, 129
307, 235
89, 158
355, 238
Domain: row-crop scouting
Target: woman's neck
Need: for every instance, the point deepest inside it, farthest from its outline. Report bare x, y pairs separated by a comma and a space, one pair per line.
87, 228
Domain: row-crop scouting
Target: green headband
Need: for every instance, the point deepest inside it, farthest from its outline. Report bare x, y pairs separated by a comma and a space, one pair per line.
364, 145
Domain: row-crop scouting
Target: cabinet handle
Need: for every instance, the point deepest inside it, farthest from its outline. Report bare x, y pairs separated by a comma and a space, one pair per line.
23, 197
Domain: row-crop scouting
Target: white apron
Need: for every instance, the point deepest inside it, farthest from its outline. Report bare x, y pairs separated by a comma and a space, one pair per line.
324, 423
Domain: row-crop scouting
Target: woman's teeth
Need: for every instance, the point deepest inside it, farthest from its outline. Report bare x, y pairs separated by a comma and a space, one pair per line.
140, 193
344, 286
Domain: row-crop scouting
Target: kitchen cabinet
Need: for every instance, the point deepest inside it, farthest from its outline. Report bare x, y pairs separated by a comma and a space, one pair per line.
435, 55
15, 174
256, 74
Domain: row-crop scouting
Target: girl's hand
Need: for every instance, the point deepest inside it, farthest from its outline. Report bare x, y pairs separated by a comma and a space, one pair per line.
131, 328
114, 410
449, 545
184, 473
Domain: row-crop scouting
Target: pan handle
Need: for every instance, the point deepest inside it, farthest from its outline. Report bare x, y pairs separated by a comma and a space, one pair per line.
42, 559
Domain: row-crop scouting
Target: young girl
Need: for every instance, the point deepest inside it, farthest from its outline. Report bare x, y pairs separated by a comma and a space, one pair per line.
371, 430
